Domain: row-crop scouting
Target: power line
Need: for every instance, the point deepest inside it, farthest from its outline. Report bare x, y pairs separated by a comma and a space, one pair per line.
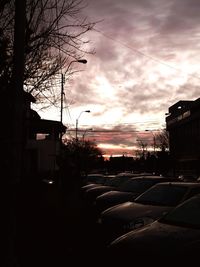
143, 54
112, 131
123, 124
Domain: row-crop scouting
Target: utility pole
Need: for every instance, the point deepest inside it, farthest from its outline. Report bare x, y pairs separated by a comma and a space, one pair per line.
17, 92
83, 61
14, 141
61, 96
154, 144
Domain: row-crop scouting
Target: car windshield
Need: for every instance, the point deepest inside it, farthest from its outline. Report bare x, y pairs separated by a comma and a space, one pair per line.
136, 185
96, 178
162, 195
186, 214
116, 181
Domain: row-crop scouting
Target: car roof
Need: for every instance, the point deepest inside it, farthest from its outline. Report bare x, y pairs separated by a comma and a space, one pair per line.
184, 184
94, 174
152, 177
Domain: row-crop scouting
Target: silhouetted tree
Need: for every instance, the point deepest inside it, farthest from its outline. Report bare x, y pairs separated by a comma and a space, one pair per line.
54, 38
159, 160
78, 158
4, 59
162, 140
142, 151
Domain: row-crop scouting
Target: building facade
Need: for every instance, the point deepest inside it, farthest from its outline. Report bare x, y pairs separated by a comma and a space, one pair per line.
42, 144
183, 125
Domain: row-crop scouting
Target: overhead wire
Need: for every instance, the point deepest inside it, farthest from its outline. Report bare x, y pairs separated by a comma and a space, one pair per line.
61, 70
143, 54
140, 53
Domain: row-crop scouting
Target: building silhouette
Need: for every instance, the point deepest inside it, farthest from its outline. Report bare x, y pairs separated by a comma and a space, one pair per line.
183, 125
42, 144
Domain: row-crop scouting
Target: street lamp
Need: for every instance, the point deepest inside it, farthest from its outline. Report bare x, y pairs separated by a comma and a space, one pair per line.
83, 61
87, 130
88, 111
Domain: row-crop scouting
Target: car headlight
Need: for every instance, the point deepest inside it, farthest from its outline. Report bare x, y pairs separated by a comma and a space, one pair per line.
139, 222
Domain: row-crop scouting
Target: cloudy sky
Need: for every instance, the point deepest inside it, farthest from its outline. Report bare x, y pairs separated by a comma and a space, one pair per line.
147, 56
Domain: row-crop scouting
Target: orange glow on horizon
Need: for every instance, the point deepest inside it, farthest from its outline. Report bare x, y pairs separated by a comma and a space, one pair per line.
109, 150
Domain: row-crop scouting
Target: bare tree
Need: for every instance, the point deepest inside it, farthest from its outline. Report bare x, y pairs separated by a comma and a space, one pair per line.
142, 148
162, 140
54, 37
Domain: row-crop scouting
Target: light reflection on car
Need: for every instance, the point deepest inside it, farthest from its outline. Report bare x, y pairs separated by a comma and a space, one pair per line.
127, 191
94, 181
177, 234
148, 207
111, 184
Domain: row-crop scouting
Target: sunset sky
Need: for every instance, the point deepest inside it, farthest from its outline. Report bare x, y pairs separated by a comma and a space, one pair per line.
147, 55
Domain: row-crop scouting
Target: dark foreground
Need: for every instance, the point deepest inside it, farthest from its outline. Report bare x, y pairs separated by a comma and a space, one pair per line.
53, 228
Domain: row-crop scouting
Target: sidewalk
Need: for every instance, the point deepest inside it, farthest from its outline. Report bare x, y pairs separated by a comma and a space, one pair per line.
44, 224
53, 228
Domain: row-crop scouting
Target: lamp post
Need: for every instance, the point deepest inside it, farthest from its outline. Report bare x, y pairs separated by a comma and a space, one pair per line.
88, 111
83, 61
87, 130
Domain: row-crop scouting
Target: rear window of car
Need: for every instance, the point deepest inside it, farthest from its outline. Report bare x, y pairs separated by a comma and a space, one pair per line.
163, 195
117, 181
96, 178
193, 192
186, 214
136, 185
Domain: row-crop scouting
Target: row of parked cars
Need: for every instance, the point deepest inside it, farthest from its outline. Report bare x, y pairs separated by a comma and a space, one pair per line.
145, 214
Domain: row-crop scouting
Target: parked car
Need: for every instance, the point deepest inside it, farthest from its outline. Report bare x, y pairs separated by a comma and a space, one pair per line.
187, 178
174, 236
104, 180
127, 191
111, 184
93, 178
146, 208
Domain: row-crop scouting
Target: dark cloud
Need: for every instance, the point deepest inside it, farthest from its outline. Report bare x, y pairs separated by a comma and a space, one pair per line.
183, 16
